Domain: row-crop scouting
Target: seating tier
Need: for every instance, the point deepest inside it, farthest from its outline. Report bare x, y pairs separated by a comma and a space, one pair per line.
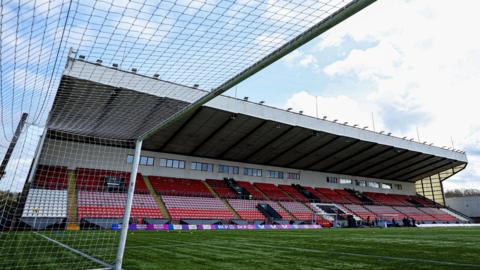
385, 212
273, 192
256, 195
415, 213
51, 177
438, 214
332, 196
247, 209
360, 211
221, 188
298, 210
196, 208
179, 186
385, 199
45, 203
92, 204
293, 192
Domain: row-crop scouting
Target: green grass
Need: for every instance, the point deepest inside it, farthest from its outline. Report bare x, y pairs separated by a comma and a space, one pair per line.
399, 248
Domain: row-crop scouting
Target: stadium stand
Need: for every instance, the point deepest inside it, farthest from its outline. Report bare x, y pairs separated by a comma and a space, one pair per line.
438, 214
179, 186
320, 196
349, 196
273, 192
221, 188
293, 192
256, 195
93, 204
248, 211
196, 208
415, 213
332, 196
384, 199
385, 212
51, 177
360, 211
423, 201
45, 203
93, 179
298, 210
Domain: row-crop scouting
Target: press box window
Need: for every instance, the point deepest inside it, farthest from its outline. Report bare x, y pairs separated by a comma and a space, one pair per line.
252, 172
275, 174
373, 184
361, 183
344, 181
333, 180
292, 175
228, 169
144, 160
398, 186
172, 163
200, 166
386, 186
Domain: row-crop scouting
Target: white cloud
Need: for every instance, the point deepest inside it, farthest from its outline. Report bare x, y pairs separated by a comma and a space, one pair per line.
342, 108
424, 68
299, 59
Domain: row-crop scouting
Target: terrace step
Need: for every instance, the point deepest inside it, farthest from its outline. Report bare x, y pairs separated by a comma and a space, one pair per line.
225, 202
72, 201
157, 198
290, 216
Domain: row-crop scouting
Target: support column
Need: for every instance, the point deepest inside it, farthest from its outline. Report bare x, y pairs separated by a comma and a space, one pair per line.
128, 206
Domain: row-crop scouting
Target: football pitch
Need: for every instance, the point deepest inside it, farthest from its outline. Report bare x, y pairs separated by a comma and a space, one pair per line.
393, 248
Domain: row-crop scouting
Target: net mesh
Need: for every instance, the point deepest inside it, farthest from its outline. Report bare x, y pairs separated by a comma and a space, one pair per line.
81, 80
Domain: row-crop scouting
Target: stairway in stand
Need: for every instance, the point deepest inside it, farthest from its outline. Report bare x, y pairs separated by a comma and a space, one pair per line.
229, 207
290, 217
72, 220
157, 198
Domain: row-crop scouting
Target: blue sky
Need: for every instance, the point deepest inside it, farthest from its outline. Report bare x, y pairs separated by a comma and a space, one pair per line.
413, 64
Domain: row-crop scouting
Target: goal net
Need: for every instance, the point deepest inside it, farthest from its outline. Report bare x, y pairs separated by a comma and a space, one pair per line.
85, 83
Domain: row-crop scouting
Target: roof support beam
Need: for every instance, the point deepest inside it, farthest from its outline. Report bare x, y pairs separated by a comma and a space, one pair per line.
348, 157
314, 150
414, 177
422, 169
371, 166
295, 145
382, 170
269, 142
394, 171
241, 139
207, 138
370, 156
178, 130
336, 153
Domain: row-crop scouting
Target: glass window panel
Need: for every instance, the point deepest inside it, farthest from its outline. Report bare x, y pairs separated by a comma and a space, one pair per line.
129, 159
163, 162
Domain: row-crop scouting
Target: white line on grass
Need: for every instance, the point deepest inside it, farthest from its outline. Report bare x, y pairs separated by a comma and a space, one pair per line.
76, 251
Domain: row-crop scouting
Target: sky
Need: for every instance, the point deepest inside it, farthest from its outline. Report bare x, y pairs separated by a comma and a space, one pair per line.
408, 65
411, 64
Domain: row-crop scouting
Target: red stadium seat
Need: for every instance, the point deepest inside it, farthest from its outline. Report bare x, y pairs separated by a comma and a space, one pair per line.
273, 192
181, 207
51, 177
294, 193
179, 186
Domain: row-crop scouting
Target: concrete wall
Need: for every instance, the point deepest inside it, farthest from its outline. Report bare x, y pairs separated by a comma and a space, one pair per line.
469, 206
73, 155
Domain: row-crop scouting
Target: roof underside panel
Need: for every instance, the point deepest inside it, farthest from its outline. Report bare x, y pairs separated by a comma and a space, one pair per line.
98, 110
